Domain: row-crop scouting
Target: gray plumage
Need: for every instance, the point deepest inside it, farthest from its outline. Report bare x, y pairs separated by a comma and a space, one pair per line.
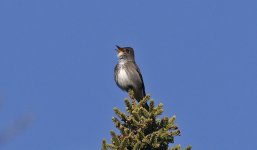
127, 73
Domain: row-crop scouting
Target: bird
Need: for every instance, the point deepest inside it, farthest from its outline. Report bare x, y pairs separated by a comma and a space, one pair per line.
127, 74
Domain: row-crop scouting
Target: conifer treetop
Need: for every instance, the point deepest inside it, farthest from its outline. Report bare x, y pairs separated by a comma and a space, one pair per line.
141, 129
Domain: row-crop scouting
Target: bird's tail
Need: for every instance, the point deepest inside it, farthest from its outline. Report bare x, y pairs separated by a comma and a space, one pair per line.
139, 97
146, 106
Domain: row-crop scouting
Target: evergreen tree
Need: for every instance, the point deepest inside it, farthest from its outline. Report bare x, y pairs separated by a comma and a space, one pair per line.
140, 129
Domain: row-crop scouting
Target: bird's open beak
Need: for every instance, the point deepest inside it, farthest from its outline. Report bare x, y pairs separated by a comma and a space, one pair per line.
119, 49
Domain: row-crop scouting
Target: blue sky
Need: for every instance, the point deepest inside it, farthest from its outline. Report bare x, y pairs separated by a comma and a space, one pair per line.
198, 57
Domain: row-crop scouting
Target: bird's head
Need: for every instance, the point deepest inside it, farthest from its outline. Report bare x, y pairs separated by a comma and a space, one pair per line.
125, 53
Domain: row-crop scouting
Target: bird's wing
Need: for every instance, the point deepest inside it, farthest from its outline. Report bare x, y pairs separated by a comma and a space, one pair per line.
115, 72
139, 78
116, 69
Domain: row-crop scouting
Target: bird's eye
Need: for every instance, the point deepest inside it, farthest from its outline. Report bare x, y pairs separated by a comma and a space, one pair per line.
128, 51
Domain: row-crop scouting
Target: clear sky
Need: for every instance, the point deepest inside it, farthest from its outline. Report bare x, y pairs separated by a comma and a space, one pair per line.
198, 57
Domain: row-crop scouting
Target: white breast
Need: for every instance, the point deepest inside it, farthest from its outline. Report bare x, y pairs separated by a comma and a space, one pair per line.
123, 78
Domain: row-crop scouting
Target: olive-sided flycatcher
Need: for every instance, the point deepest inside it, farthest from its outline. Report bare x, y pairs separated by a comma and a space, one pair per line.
127, 74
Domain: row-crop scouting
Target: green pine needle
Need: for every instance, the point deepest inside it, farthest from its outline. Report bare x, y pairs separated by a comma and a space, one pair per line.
142, 129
